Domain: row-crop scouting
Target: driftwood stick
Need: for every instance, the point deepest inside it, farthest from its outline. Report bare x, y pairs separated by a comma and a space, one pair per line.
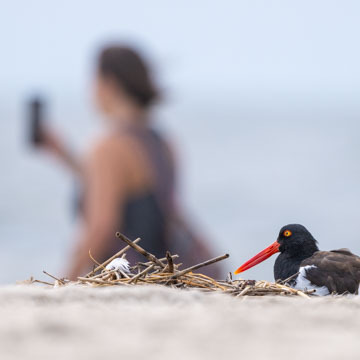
97, 281
106, 277
43, 282
244, 291
311, 291
136, 277
229, 279
102, 274
288, 279
140, 250
117, 275
208, 279
55, 278
170, 265
108, 261
302, 294
198, 266
92, 258
124, 275
162, 259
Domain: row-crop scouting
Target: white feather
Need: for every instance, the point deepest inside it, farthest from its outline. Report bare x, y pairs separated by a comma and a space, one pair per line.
119, 264
303, 283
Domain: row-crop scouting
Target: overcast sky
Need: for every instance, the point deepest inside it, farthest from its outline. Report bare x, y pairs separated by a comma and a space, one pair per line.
252, 47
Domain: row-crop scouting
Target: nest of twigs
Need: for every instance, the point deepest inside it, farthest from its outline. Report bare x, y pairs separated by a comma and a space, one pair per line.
168, 273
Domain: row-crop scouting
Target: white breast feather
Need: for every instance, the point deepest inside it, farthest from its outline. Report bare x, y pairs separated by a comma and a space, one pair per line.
303, 283
119, 264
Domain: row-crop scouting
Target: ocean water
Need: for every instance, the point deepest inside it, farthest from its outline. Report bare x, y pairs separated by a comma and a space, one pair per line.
247, 167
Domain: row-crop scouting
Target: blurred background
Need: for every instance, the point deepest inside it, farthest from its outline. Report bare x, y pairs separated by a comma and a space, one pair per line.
262, 103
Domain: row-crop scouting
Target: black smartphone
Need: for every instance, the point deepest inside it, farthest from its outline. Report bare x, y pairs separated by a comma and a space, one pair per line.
36, 114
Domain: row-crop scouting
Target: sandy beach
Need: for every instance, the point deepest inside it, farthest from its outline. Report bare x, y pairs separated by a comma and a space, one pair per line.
152, 322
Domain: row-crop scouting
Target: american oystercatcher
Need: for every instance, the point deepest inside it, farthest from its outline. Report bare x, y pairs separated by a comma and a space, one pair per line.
336, 271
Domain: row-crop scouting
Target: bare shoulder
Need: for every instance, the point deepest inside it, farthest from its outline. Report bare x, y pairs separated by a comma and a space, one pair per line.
111, 148
120, 158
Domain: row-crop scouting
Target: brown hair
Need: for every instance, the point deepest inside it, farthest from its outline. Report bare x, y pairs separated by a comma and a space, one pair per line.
129, 71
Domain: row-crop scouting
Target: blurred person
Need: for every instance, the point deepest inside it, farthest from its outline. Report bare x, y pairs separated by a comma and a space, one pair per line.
128, 178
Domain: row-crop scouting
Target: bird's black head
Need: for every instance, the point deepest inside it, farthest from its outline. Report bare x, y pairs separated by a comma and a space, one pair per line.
296, 241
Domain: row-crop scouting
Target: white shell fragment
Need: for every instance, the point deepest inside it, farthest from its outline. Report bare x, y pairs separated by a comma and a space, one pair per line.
119, 264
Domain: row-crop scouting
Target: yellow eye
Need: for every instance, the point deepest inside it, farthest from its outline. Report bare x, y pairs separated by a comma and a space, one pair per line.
287, 233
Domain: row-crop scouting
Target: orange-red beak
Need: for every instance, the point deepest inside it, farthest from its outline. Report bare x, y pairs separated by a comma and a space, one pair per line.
260, 257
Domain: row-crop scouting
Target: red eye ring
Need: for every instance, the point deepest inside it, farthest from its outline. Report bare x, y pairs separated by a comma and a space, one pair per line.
287, 233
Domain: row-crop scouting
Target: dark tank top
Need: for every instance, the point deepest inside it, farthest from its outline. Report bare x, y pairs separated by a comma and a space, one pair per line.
146, 215
152, 216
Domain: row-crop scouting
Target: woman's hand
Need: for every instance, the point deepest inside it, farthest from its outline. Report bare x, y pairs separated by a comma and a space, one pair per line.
54, 144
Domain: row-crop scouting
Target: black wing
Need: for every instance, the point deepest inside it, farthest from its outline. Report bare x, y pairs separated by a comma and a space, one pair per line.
338, 270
